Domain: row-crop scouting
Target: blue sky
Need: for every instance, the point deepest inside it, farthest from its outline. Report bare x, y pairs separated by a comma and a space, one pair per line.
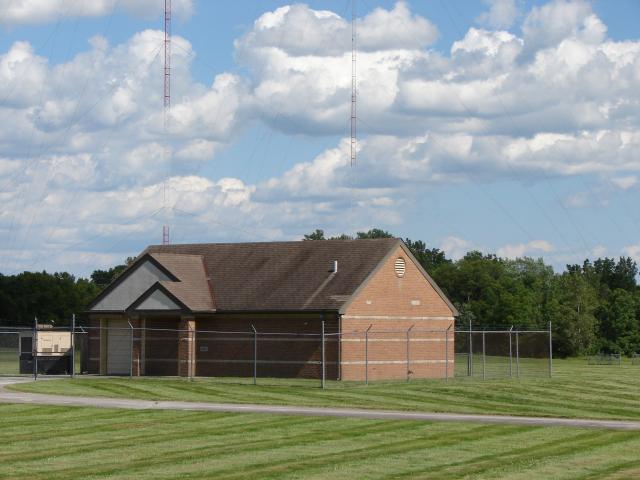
506, 126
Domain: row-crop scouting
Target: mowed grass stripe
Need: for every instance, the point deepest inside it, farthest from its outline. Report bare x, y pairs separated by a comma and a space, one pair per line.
127, 432
131, 439
628, 470
322, 450
167, 445
212, 450
355, 454
475, 463
310, 462
454, 400
123, 438
214, 454
548, 450
577, 390
460, 461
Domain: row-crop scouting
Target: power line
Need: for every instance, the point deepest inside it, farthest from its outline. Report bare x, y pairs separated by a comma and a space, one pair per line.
514, 171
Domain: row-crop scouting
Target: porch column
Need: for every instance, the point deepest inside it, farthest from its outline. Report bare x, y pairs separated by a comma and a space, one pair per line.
187, 347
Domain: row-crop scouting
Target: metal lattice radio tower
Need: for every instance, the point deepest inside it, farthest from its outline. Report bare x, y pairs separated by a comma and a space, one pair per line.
354, 139
167, 105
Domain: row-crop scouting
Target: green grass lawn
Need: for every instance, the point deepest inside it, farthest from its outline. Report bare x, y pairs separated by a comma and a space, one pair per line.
576, 390
9, 361
55, 443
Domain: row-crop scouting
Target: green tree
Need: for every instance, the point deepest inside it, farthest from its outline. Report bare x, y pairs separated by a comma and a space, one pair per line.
102, 278
317, 235
572, 309
50, 297
430, 258
619, 323
374, 233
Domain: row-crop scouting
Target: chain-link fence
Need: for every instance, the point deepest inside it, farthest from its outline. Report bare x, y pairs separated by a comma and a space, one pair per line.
323, 358
503, 353
37, 350
399, 354
606, 359
9, 351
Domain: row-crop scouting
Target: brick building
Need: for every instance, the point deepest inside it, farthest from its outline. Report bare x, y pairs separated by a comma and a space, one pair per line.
193, 310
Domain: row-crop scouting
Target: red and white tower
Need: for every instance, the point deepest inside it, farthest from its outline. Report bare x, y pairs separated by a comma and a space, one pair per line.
167, 107
353, 85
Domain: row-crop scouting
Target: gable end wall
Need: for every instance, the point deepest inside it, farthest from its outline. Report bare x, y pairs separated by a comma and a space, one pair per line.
130, 289
391, 295
392, 305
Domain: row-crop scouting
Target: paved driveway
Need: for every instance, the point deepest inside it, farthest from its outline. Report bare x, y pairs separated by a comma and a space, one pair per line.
102, 402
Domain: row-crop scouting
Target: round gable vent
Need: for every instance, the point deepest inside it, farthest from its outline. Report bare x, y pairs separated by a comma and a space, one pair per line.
400, 267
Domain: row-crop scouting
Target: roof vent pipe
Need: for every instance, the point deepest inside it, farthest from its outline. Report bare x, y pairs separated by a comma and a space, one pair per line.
335, 266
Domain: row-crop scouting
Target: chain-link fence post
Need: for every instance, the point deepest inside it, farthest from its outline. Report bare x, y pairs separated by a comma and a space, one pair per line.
484, 356
323, 358
34, 348
366, 355
192, 352
255, 355
446, 354
84, 354
73, 345
470, 359
518, 353
550, 353
131, 349
409, 352
510, 353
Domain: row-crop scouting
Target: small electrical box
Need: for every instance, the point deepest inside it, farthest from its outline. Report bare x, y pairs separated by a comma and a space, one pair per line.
51, 350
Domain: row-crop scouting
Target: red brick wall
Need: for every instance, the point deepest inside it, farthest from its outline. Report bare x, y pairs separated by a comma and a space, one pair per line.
296, 356
390, 305
392, 295
164, 348
161, 346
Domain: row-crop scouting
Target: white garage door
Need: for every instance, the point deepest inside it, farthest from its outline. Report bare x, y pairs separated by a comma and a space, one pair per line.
118, 347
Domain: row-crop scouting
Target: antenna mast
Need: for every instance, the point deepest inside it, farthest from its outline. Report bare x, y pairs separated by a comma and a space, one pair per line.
353, 84
167, 105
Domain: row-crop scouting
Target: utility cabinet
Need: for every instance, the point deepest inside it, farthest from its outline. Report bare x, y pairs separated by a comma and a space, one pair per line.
50, 348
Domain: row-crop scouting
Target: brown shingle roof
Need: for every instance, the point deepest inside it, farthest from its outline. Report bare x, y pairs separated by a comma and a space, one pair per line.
272, 276
193, 287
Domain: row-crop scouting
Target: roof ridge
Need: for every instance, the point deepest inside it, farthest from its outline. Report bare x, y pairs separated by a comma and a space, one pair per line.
178, 254
289, 275
306, 242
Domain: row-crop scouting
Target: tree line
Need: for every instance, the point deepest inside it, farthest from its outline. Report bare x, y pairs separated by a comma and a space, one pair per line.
593, 306
50, 297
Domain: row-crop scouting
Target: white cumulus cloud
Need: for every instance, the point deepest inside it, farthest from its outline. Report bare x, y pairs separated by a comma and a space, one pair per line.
501, 14
534, 247
23, 12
